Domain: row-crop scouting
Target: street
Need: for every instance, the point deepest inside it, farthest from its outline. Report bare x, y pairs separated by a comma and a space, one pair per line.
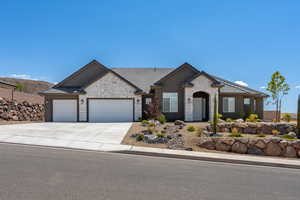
35, 173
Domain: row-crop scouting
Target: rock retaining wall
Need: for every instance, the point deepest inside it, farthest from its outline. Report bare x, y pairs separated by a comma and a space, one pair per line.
256, 146
20, 111
255, 128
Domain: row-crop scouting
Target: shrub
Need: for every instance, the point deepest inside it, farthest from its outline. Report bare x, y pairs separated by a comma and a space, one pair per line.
20, 87
140, 137
191, 128
145, 122
261, 135
252, 118
234, 131
199, 132
287, 117
275, 132
229, 120
160, 135
162, 119
235, 135
288, 137
151, 124
153, 109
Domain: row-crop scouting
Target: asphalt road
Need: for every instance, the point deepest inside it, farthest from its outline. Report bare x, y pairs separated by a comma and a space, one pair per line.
35, 173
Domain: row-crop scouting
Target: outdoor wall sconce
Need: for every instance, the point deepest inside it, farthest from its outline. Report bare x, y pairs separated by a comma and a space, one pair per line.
81, 101
189, 100
138, 101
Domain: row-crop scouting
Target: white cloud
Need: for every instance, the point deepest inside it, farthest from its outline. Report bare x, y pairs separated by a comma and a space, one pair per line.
23, 76
297, 87
242, 83
263, 87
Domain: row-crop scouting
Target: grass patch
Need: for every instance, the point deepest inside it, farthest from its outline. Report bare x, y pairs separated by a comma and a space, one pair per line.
261, 135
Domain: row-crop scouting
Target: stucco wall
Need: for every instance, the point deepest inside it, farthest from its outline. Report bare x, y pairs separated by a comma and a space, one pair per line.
109, 86
203, 84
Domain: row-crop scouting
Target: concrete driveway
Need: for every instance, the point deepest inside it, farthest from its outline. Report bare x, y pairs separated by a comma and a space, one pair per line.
96, 136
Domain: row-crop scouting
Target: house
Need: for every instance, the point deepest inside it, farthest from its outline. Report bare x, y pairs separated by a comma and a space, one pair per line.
7, 85
96, 93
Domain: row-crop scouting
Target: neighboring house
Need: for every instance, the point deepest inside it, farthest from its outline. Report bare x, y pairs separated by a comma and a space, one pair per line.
96, 93
7, 85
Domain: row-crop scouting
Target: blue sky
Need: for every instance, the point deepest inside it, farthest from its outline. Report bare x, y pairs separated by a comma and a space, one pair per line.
237, 40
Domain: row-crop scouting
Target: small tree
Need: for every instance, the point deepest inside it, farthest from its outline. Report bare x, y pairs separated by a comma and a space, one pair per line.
216, 113
298, 118
278, 89
153, 109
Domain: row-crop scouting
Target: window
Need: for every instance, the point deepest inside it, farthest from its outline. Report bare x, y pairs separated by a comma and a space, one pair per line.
170, 102
228, 104
247, 101
148, 101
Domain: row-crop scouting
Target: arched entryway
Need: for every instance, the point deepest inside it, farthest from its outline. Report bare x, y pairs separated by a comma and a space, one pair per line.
200, 106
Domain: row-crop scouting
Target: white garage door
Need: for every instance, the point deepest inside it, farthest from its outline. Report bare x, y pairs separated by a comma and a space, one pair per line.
110, 110
64, 110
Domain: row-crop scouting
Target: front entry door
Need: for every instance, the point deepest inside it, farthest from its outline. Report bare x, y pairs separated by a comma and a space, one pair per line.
199, 109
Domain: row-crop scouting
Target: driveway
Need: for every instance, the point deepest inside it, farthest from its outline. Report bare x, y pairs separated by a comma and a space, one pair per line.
96, 136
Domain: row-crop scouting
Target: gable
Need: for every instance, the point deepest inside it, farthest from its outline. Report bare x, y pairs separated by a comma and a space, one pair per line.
84, 76
179, 75
110, 86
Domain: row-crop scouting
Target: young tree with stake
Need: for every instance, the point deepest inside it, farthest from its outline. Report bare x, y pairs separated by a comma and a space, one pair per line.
278, 88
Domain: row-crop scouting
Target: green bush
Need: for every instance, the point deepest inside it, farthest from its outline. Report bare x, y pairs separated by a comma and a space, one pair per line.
229, 120
261, 135
145, 121
140, 137
191, 128
287, 117
161, 135
151, 124
288, 137
252, 118
162, 119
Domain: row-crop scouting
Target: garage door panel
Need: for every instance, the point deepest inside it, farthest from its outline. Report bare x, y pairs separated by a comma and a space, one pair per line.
64, 110
110, 110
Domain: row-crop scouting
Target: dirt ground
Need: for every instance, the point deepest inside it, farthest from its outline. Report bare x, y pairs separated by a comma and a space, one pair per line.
191, 139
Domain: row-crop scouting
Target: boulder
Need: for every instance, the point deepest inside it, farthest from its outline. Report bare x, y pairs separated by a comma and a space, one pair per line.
296, 144
292, 134
239, 147
260, 144
290, 152
273, 149
208, 144
220, 146
179, 122
239, 120
255, 151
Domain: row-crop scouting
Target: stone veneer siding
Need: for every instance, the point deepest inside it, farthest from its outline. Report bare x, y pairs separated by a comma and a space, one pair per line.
110, 86
203, 84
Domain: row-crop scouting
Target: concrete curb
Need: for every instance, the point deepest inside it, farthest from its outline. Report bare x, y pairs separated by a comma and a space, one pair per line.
177, 154
211, 159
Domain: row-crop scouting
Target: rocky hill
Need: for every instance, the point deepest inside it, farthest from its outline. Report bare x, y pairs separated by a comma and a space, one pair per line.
28, 91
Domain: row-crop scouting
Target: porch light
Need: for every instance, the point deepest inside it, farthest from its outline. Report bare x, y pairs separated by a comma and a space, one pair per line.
81, 101
138, 100
189, 100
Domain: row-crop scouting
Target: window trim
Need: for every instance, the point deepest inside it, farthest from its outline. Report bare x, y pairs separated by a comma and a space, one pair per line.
170, 102
234, 107
247, 98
